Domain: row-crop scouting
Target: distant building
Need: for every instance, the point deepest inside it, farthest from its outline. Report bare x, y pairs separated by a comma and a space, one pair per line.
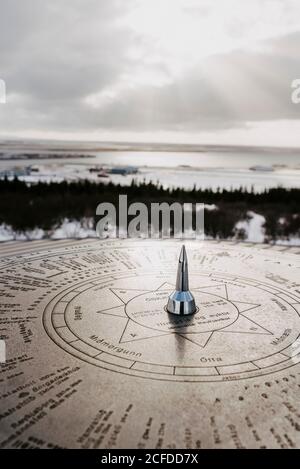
124, 170
15, 172
261, 168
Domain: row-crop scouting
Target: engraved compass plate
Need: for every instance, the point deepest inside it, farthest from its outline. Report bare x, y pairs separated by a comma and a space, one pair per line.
94, 360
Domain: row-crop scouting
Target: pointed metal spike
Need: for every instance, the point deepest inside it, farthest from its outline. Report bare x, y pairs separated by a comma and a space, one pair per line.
183, 256
182, 282
181, 301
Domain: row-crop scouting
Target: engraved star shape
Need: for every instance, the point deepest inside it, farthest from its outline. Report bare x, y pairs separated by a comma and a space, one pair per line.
132, 331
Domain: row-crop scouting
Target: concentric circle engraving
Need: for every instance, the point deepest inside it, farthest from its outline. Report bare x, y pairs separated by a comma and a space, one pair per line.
243, 328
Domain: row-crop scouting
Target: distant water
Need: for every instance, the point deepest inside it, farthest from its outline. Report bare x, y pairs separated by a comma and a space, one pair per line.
184, 169
205, 160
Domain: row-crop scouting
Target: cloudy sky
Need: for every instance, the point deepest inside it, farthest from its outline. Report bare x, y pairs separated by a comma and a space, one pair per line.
151, 70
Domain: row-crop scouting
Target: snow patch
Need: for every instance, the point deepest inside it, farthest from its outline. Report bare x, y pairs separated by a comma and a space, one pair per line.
8, 234
288, 242
74, 229
252, 227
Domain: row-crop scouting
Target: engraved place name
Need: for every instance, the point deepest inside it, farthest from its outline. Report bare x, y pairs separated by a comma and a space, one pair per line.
42, 410
212, 318
282, 338
15, 363
26, 394
277, 278
25, 333
33, 442
105, 428
280, 304
77, 313
104, 343
210, 359
229, 282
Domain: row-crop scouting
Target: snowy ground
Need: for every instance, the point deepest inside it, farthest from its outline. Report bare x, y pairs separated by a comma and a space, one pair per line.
73, 229
252, 228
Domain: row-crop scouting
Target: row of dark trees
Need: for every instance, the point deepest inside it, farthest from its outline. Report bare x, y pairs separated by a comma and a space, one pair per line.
45, 205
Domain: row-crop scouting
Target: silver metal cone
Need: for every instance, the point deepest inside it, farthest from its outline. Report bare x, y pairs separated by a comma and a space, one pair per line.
181, 301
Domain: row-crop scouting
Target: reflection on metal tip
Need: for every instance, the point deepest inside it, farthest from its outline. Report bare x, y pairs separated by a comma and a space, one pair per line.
181, 301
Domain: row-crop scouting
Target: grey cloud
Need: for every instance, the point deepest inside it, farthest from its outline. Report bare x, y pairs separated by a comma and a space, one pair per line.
61, 51
225, 90
55, 54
